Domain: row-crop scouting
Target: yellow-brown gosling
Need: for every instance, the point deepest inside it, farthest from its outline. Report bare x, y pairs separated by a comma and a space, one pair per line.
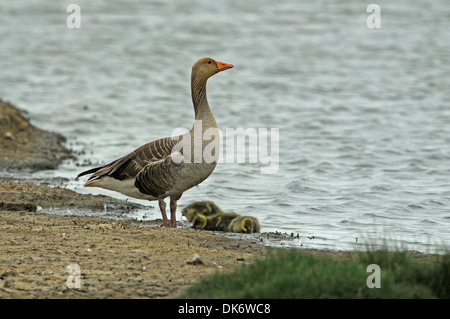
244, 224
205, 208
220, 221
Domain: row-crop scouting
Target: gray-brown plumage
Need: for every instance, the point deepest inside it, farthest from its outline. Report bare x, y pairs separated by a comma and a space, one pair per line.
205, 208
169, 166
244, 224
220, 221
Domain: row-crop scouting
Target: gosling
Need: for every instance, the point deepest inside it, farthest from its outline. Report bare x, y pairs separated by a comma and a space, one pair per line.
205, 208
244, 224
220, 221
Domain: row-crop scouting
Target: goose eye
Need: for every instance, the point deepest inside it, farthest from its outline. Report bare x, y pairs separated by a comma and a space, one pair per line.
209, 62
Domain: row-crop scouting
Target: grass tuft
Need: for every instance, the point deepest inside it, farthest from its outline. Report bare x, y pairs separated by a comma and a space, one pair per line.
296, 274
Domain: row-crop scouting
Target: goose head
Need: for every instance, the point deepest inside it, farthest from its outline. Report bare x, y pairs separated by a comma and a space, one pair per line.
207, 67
247, 225
199, 221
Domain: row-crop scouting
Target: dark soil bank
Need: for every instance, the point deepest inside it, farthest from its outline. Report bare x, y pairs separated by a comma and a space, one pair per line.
23, 146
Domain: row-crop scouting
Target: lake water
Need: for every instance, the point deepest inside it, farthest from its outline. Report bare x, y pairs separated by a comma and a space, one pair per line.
363, 113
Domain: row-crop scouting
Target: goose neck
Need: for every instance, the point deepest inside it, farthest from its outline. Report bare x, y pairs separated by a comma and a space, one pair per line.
199, 99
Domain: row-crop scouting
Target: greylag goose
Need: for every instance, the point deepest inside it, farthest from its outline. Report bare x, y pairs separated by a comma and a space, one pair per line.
220, 221
205, 208
159, 169
244, 224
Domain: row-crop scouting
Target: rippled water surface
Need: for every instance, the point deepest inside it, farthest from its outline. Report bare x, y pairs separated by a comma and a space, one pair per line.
363, 114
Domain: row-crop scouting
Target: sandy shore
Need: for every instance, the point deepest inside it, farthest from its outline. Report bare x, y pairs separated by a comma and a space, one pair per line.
115, 258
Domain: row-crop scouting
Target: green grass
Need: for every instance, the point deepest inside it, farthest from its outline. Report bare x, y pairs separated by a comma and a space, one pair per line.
296, 274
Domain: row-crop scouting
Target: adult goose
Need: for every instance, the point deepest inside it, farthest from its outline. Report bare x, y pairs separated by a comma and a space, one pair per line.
169, 166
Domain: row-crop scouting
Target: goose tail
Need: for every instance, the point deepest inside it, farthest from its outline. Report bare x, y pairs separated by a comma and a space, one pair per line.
90, 171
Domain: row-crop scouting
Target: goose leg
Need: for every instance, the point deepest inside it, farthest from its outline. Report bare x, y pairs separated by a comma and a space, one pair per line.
173, 215
173, 210
162, 207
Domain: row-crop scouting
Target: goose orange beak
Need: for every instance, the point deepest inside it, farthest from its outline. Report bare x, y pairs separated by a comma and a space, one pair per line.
222, 66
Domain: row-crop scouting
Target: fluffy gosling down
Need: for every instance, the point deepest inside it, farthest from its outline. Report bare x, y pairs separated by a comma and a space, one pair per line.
205, 208
220, 221
208, 216
245, 224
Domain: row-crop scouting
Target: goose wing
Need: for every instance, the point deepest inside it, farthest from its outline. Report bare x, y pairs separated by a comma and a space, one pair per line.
162, 177
131, 165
